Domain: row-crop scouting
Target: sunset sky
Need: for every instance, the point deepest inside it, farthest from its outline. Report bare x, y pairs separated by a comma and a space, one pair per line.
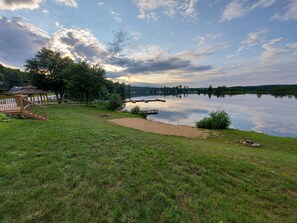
160, 42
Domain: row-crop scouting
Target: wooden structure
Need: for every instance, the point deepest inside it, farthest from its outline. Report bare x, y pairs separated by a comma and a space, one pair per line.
19, 105
151, 112
33, 94
145, 101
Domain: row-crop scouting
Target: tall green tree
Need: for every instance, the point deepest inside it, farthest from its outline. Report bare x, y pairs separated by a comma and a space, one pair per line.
85, 82
45, 70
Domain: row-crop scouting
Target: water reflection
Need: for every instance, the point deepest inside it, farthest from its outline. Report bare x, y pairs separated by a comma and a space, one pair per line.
261, 113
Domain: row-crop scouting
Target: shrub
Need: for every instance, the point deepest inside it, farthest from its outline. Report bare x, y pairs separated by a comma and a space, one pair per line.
217, 120
135, 110
115, 102
4, 117
205, 123
142, 114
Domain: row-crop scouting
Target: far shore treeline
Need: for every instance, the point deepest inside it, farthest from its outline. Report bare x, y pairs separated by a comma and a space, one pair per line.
221, 91
50, 71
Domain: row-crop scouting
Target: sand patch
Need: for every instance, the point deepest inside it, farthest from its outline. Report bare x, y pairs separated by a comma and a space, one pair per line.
161, 128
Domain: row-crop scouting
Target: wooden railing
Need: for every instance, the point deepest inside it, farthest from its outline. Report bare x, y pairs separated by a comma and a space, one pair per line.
17, 104
34, 110
9, 103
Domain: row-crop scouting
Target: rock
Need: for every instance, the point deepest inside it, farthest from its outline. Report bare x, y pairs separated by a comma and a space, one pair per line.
105, 115
249, 143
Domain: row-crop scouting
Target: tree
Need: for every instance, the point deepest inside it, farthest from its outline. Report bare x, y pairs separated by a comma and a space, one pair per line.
2, 83
85, 82
47, 65
210, 88
10, 77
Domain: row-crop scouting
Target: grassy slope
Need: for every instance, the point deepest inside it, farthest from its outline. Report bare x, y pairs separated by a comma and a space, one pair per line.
80, 168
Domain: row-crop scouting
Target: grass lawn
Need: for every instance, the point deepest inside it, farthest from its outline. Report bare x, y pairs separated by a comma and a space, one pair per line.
78, 167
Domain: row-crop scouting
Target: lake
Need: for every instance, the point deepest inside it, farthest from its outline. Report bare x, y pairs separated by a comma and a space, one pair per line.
267, 114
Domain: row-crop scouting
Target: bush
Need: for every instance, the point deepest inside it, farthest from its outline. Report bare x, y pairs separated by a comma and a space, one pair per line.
142, 114
4, 117
217, 120
135, 110
115, 102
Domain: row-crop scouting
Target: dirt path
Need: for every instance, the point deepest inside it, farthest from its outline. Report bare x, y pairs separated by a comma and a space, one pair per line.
161, 128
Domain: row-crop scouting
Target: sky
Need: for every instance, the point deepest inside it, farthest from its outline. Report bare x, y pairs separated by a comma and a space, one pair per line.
160, 42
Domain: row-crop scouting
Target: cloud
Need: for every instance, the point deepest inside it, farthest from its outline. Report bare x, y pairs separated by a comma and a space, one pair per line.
82, 44
14, 5
239, 8
201, 40
190, 9
117, 16
120, 41
165, 64
148, 9
233, 10
70, 3
263, 4
19, 40
276, 48
206, 46
289, 12
78, 44
247, 74
253, 39
210, 49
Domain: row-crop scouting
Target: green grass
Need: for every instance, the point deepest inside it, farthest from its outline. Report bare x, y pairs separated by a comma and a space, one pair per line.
78, 167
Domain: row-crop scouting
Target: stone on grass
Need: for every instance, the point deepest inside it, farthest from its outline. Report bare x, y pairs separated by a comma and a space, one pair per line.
249, 143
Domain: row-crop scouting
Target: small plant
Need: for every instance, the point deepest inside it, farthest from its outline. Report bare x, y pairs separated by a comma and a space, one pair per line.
216, 120
142, 114
4, 117
135, 110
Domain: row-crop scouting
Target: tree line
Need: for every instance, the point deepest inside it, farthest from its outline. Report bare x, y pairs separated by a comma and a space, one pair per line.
10, 77
276, 90
50, 71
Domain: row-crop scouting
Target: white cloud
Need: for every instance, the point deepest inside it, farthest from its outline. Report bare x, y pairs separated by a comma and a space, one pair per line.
117, 16
78, 44
14, 5
201, 40
275, 48
253, 39
263, 4
148, 8
191, 9
239, 8
290, 12
70, 3
234, 10
45, 11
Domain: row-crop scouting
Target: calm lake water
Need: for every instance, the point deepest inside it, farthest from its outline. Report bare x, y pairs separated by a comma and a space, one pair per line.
267, 114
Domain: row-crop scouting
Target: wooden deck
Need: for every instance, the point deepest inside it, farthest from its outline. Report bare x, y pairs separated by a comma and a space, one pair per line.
145, 101
17, 105
151, 112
